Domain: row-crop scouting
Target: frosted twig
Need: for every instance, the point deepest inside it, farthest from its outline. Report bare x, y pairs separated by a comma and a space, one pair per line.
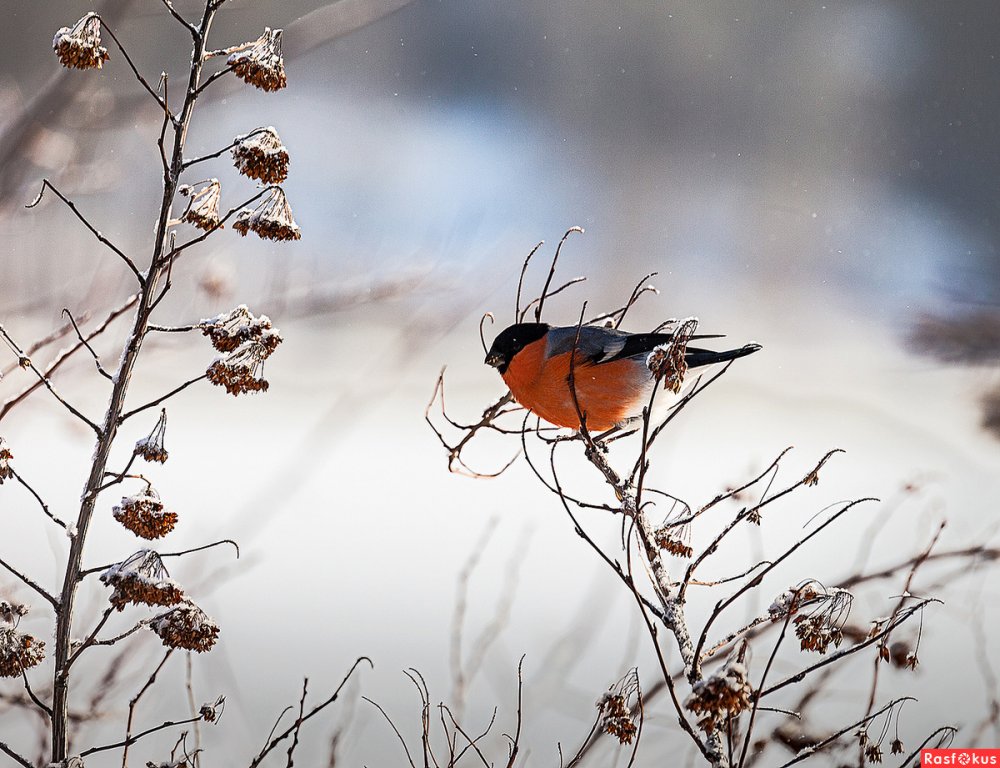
157, 401
41, 503
28, 582
97, 360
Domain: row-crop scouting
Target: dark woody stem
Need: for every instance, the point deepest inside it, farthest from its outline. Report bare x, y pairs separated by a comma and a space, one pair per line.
107, 431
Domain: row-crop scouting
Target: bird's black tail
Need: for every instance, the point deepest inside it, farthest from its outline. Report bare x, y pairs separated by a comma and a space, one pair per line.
699, 357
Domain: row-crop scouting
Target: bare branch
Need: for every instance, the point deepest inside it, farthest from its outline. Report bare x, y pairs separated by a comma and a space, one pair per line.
811, 750
42, 504
96, 232
65, 355
181, 20
41, 591
15, 756
25, 361
302, 718
97, 360
157, 401
135, 71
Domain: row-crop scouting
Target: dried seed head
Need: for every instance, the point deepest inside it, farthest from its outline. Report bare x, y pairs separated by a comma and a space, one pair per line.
203, 208
18, 652
187, 626
823, 613
6, 472
239, 326
151, 447
241, 371
145, 515
260, 63
873, 753
897, 746
141, 579
718, 697
672, 541
12, 612
667, 361
210, 711
271, 220
618, 708
261, 155
80, 46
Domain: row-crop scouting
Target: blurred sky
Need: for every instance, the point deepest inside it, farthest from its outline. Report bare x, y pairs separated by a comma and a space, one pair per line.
811, 176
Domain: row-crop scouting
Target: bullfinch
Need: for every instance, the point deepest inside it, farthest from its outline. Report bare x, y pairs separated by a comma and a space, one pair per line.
611, 378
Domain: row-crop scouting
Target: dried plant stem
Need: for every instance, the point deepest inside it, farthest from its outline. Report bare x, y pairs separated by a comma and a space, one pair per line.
107, 431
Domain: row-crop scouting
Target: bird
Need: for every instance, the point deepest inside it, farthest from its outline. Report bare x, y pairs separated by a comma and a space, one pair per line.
611, 377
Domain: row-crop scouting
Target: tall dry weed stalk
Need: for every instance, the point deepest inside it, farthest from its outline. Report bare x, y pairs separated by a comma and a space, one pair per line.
140, 583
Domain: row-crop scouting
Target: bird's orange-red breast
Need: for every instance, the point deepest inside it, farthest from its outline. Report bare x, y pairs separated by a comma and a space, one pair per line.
611, 379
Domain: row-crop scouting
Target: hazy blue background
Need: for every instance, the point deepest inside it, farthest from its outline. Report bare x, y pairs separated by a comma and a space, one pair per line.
816, 177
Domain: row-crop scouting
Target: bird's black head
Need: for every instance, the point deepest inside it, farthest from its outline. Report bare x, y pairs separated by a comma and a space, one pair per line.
511, 341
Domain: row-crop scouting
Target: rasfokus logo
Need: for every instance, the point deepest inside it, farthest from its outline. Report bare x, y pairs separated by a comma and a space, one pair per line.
960, 757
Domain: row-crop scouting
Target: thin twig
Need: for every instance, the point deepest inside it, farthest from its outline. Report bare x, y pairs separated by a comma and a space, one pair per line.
65, 355
133, 702
52, 600
26, 361
42, 504
14, 756
211, 156
96, 232
184, 22
97, 360
813, 749
135, 71
157, 401
315, 710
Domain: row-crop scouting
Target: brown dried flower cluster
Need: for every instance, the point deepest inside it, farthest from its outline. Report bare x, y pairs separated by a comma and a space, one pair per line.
616, 717
260, 63
816, 633
145, 515
667, 540
80, 46
667, 361
12, 612
151, 447
271, 220
187, 626
239, 326
721, 696
261, 155
203, 208
242, 370
18, 652
6, 472
619, 706
141, 579
823, 625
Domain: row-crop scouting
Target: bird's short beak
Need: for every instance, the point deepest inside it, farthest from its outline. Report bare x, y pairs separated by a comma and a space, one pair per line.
494, 359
